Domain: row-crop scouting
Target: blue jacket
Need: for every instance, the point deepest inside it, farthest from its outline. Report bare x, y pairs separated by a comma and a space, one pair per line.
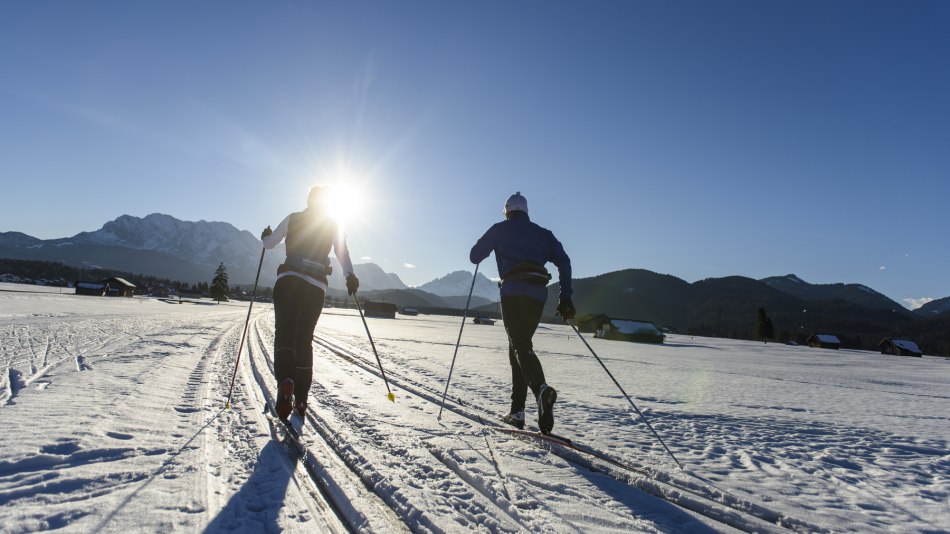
517, 240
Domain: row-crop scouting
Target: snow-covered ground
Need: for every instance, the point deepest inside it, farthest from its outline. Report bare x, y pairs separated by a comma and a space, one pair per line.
113, 418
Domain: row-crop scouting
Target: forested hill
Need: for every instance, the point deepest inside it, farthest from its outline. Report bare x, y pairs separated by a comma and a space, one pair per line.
727, 307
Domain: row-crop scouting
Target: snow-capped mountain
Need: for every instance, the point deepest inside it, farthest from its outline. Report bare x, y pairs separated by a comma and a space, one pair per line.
372, 277
163, 246
203, 242
459, 283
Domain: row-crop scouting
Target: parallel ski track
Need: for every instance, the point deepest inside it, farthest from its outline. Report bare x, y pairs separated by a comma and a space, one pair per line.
323, 503
696, 495
318, 474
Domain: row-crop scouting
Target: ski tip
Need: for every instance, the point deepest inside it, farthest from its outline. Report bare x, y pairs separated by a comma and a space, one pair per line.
391, 397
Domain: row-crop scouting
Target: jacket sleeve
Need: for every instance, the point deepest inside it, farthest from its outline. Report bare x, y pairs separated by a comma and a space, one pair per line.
278, 235
483, 247
560, 259
342, 252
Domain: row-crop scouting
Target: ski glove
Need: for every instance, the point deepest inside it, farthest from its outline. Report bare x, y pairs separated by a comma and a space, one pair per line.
565, 308
352, 283
267, 231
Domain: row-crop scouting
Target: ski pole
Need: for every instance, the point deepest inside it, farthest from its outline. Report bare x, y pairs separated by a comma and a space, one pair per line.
227, 404
459, 340
389, 393
576, 331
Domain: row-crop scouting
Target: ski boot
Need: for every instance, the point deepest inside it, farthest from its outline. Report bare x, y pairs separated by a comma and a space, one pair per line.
546, 398
301, 408
515, 419
285, 399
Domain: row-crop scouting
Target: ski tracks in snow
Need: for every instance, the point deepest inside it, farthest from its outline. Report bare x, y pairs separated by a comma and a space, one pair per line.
133, 435
118, 451
434, 477
445, 476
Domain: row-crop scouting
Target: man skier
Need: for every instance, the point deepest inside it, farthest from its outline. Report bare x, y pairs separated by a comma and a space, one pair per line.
522, 248
299, 293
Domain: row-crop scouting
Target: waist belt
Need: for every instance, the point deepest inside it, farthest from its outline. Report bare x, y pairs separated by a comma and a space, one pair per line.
307, 266
526, 271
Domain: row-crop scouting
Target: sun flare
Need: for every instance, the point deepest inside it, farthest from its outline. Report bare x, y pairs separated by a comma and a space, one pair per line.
344, 204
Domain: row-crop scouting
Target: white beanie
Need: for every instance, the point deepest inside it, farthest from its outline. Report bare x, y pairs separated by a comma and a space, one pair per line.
516, 202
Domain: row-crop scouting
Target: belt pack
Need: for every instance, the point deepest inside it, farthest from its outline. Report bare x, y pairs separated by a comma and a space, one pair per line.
529, 272
307, 266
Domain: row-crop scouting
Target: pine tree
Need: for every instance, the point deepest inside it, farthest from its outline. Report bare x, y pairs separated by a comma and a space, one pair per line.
763, 327
219, 284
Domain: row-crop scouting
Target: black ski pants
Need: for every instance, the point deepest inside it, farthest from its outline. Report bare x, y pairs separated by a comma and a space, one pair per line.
297, 306
521, 316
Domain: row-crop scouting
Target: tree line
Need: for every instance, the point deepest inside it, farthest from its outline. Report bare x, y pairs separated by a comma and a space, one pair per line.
57, 274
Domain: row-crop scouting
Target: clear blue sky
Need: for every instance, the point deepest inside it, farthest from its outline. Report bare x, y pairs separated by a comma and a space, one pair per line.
699, 139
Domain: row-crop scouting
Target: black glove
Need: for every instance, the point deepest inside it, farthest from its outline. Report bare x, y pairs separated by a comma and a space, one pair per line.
352, 283
267, 231
565, 308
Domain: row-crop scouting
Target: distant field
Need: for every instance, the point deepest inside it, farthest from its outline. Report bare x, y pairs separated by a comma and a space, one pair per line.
29, 288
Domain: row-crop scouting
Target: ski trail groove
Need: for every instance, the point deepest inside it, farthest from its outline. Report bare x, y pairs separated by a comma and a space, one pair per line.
321, 470
706, 500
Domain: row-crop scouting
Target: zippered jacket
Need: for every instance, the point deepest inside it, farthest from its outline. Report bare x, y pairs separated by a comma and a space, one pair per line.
521, 247
310, 236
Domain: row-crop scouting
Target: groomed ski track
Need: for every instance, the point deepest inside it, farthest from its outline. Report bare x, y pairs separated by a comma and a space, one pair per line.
342, 471
689, 493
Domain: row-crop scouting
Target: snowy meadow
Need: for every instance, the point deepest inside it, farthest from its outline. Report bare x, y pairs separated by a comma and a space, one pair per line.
113, 418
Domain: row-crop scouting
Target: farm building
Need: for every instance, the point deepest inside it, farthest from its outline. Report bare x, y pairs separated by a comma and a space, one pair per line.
899, 347
112, 287
409, 311
621, 329
383, 310
483, 320
118, 287
95, 289
823, 341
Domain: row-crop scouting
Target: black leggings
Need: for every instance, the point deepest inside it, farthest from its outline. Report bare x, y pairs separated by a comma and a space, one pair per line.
521, 316
297, 306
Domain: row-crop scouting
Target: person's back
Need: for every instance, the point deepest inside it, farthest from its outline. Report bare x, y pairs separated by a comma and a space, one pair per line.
299, 294
522, 248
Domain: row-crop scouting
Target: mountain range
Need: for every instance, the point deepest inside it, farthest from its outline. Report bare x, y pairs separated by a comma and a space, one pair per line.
727, 307
163, 246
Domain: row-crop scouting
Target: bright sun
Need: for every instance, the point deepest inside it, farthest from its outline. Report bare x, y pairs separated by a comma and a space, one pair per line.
344, 204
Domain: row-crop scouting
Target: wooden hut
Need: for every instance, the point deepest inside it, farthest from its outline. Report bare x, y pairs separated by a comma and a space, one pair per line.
899, 347
823, 341
635, 330
118, 287
94, 289
483, 320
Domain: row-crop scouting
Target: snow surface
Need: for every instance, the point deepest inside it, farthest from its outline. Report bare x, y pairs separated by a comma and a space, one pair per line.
113, 418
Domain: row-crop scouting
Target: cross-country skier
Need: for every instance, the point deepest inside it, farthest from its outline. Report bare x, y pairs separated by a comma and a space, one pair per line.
299, 293
522, 248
